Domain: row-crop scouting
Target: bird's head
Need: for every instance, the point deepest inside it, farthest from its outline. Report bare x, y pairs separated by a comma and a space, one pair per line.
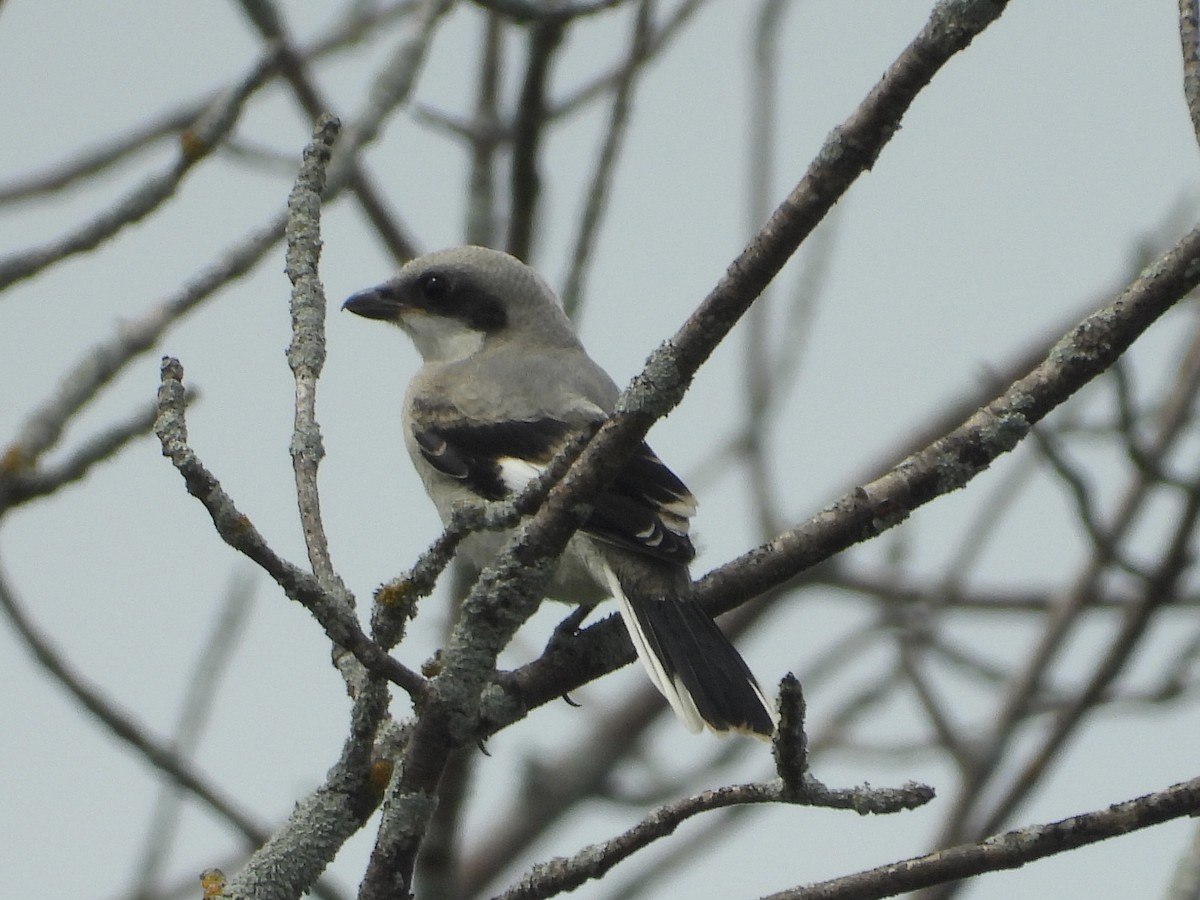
454, 302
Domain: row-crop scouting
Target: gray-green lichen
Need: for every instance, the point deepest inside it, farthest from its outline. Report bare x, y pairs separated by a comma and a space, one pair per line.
659, 387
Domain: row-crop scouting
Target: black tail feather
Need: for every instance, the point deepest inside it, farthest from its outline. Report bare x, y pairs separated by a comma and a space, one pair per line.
700, 660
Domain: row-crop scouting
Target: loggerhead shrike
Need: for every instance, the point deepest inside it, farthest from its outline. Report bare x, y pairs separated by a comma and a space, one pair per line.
504, 385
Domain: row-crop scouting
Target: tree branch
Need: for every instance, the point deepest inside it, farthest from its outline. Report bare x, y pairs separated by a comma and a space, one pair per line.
306, 354
298, 852
526, 184
122, 726
595, 860
1189, 40
196, 143
1010, 850
335, 616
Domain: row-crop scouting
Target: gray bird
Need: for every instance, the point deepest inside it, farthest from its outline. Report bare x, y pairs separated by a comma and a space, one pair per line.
505, 383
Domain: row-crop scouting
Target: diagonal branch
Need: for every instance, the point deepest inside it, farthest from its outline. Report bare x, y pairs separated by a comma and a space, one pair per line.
293, 67
1189, 40
951, 461
297, 853
595, 860
1010, 850
510, 591
195, 144
122, 726
604, 169
336, 617
945, 465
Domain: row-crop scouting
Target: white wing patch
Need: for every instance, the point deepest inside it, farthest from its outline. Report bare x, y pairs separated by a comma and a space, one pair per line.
517, 473
680, 509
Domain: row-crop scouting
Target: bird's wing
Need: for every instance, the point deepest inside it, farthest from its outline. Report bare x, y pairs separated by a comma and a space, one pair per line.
645, 509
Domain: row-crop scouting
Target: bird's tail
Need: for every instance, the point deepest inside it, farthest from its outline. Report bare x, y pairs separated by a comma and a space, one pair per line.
693, 664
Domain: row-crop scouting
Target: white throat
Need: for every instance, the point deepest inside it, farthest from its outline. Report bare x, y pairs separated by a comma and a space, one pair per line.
441, 340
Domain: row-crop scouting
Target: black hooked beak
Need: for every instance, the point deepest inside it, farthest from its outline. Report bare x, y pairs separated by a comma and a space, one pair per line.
379, 302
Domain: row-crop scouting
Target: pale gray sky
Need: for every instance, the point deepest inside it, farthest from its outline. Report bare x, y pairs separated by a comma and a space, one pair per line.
1014, 193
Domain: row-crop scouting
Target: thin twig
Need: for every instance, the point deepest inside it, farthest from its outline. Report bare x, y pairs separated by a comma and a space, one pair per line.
360, 23
484, 139
392, 87
1189, 39
100, 159
528, 129
1083, 495
216, 653
124, 727
196, 143
757, 351
102, 363
294, 68
1009, 850
593, 861
1159, 589
20, 483
659, 39
1024, 685
605, 167
334, 615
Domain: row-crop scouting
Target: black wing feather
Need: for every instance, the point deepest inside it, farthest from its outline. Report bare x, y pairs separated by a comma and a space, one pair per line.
640, 510
470, 452
636, 511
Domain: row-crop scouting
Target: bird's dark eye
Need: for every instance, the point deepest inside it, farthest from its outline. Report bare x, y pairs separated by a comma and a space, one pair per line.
433, 285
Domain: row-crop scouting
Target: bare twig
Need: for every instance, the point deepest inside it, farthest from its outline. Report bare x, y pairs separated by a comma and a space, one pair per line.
791, 741
1082, 354
1009, 850
757, 351
593, 861
544, 38
196, 143
193, 716
102, 158
359, 23
124, 727
482, 222
1023, 686
1189, 39
335, 616
391, 89
602, 172
946, 731
294, 68
1158, 590
20, 482
659, 39
298, 852
1083, 496
306, 354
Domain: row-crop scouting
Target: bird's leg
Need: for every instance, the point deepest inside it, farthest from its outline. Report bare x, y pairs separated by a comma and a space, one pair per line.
567, 628
563, 632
